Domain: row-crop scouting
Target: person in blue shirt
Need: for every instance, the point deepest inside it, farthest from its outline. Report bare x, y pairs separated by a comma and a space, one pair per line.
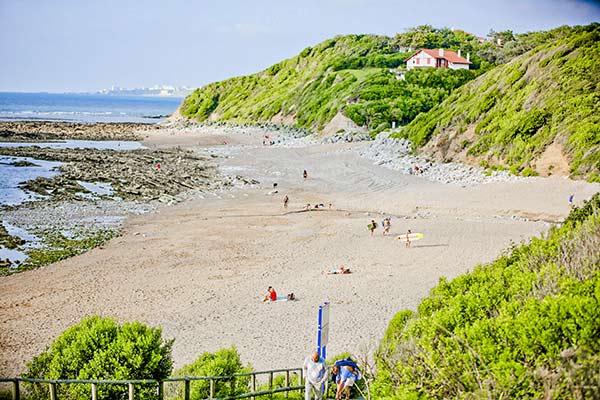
345, 380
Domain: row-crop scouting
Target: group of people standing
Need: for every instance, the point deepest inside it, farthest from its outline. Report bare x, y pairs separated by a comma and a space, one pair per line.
387, 225
316, 373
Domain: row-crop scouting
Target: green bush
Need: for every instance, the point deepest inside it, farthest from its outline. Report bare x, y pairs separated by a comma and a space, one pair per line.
98, 348
224, 362
523, 326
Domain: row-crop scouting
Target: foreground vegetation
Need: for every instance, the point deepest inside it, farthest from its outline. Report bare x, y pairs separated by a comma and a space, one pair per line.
510, 115
524, 326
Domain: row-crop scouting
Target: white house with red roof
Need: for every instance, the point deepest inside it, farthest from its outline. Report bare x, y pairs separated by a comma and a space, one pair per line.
439, 58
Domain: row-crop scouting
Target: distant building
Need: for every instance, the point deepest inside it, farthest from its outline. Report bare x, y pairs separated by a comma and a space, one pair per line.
439, 58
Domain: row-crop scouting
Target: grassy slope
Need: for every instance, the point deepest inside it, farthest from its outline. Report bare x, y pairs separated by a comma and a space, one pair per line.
524, 326
289, 87
347, 72
550, 94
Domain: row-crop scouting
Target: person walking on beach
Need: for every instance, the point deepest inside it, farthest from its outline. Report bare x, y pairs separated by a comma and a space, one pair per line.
372, 226
315, 371
387, 224
305, 175
408, 238
286, 200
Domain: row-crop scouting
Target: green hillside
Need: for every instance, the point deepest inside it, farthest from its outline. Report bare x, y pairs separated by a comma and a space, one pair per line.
523, 327
349, 73
512, 114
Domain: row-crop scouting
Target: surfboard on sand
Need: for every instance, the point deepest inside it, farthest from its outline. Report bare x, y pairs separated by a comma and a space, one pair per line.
412, 236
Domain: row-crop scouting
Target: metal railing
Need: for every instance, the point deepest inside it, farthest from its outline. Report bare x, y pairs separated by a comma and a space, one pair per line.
160, 384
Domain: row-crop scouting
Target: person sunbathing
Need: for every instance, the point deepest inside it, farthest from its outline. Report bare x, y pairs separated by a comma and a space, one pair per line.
338, 270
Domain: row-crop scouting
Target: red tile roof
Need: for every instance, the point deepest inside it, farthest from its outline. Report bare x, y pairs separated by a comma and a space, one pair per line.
448, 55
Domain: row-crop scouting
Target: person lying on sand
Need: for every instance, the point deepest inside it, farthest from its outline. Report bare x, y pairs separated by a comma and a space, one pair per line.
338, 270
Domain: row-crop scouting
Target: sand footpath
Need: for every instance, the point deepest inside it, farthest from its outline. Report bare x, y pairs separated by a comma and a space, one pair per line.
198, 269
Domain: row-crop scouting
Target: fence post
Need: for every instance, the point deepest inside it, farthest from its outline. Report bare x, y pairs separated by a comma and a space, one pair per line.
16, 394
287, 383
301, 379
161, 390
211, 394
186, 390
271, 381
94, 391
130, 390
253, 385
53, 391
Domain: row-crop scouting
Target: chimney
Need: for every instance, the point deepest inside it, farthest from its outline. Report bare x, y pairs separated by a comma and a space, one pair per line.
468, 57
459, 52
441, 52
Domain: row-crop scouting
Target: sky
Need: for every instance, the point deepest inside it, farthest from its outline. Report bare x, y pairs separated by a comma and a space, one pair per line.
76, 46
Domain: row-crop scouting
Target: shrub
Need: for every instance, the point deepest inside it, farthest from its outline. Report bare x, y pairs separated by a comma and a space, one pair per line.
98, 348
224, 362
523, 326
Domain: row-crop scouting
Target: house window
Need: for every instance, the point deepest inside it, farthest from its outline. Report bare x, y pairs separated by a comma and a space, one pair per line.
428, 60
418, 60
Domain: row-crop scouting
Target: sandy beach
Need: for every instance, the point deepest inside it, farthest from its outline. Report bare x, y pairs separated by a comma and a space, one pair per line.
199, 269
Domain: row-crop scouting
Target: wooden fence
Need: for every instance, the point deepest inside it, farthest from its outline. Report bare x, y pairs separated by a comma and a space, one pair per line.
160, 385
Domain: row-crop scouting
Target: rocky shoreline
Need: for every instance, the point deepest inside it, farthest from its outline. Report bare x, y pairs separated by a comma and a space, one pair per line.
36, 131
86, 203
397, 154
139, 175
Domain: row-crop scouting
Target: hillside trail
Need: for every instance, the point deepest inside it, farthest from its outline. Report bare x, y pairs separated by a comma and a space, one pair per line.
199, 269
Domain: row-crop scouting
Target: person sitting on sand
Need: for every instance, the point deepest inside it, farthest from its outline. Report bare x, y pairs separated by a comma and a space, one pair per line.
271, 294
338, 270
307, 207
305, 175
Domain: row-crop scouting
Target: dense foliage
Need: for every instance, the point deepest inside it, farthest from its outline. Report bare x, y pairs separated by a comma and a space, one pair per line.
510, 115
524, 326
348, 74
224, 362
99, 348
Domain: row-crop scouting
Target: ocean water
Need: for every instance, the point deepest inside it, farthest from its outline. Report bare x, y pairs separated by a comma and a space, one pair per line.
84, 107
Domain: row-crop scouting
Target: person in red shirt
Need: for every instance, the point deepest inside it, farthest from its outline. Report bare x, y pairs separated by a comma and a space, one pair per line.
271, 294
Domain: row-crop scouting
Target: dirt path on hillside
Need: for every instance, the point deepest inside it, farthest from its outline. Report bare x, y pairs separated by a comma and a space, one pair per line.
199, 269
